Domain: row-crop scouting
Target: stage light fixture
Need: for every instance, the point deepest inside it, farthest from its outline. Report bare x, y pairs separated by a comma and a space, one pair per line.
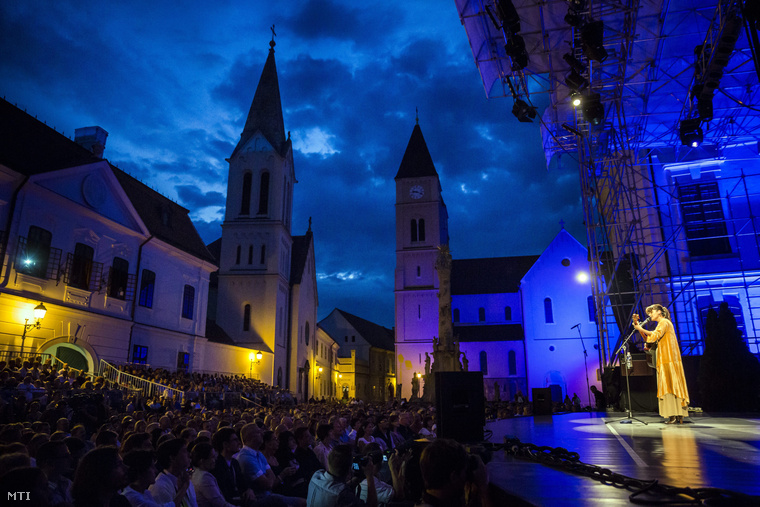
515, 49
523, 112
575, 81
576, 99
578, 5
705, 106
574, 19
593, 109
690, 132
592, 38
506, 11
574, 63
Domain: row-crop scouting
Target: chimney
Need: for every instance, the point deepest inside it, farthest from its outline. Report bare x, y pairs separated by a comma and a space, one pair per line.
92, 139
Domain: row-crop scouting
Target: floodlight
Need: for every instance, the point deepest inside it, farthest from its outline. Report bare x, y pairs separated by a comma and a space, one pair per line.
593, 109
574, 63
690, 132
515, 49
575, 81
523, 112
592, 37
576, 99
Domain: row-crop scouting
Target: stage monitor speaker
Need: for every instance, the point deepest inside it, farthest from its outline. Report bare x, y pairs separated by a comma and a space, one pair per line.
460, 405
643, 391
542, 401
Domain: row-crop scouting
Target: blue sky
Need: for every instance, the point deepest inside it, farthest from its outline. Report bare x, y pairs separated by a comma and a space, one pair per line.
172, 82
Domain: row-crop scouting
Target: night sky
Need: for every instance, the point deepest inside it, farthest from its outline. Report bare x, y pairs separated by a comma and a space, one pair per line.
172, 83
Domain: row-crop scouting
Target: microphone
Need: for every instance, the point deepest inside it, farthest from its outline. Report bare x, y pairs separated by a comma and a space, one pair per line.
577, 325
644, 321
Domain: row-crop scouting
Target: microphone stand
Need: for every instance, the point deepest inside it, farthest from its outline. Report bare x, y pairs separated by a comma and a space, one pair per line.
626, 354
585, 364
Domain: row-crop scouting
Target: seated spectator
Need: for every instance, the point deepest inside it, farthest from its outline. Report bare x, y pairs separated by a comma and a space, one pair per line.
141, 473
136, 441
386, 493
99, 478
427, 428
284, 456
206, 487
14, 460
174, 479
231, 480
330, 488
325, 445
54, 459
444, 464
308, 463
383, 433
364, 435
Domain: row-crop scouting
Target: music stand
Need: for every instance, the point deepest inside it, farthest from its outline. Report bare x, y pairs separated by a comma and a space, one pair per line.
624, 349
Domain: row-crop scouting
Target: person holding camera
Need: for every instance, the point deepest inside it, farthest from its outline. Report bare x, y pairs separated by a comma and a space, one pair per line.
451, 476
333, 487
386, 493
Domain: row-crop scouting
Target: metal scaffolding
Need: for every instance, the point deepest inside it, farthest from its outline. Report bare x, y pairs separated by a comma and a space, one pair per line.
667, 222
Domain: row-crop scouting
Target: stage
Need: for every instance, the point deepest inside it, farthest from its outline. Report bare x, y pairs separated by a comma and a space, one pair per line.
708, 451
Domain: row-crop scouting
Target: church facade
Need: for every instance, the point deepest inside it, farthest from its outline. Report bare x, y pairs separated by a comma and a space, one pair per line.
514, 317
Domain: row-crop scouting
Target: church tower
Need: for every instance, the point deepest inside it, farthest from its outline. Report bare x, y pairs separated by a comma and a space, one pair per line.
254, 270
421, 226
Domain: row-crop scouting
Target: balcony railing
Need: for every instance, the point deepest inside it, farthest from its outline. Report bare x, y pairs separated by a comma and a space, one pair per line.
122, 285
37, 260
83, 273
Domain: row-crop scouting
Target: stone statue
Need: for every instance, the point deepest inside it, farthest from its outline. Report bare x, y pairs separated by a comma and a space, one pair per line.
415, 386
465, 362
496, 392
427, 363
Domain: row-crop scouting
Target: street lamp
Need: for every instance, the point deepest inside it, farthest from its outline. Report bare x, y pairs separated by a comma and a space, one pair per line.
39, 314
255, 358
319, 373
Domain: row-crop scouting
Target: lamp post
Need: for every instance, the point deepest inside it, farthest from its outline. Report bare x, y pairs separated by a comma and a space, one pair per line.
255, 358
39, 314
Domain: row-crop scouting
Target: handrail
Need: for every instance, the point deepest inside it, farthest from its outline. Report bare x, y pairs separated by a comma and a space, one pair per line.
79, 372
148, 388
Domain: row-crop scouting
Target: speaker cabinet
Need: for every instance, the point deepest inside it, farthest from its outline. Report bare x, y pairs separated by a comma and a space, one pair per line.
542, 401
460, 405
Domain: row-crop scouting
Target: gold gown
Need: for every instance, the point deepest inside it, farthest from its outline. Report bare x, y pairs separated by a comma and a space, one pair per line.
671, 379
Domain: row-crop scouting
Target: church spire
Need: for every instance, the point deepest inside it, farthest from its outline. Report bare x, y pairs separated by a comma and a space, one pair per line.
265, 114
417, 161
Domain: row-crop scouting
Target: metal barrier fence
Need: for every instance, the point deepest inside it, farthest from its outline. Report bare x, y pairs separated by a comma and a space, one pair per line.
9, 355
148, 388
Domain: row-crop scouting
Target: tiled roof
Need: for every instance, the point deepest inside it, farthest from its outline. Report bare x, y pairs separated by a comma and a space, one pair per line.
489, 276
300, 254
165, 219
493, 333
30, 147
417, 161
377, 335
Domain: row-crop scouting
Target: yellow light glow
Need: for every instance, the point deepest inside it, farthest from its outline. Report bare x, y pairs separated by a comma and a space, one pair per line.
251, 356
582, 277
259, 355
320, 369
419, 375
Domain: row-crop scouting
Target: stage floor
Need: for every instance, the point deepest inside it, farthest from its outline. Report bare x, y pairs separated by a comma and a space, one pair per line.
708, 451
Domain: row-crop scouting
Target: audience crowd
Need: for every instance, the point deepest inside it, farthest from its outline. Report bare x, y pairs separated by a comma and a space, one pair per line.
68, 440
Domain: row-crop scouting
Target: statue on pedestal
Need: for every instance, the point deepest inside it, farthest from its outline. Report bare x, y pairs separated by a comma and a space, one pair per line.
415, 386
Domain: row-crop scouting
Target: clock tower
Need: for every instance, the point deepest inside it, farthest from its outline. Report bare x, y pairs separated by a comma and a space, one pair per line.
421, 227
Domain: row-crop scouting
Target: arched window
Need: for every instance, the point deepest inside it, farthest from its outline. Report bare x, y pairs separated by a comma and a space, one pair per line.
264, 194
414, 230
591, 309
247, 318
306, 333
245, 202
237, 255
507, 313
456, 314
263, 254
484, 362
548, 313
421, 234
512, 362
481, 314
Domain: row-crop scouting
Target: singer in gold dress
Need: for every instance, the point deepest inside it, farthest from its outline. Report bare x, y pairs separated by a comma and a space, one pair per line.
672, 394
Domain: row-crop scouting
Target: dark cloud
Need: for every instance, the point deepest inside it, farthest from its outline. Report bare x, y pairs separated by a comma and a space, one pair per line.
191, 197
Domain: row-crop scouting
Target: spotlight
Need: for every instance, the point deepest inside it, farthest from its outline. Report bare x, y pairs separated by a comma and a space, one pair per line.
690, 132
576, 100
515, 49
574, 63
575, 81
593, 109
592, 37
523, 112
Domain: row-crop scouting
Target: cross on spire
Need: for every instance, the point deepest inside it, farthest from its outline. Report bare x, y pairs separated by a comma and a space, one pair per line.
417, 114
272, 43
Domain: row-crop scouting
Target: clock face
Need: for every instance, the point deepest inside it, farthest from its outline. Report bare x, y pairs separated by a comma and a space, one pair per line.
416, 192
